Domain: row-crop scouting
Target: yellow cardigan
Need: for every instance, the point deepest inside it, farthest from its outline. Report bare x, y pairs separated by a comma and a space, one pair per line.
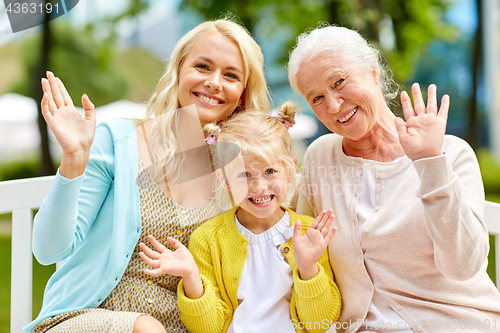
220, 251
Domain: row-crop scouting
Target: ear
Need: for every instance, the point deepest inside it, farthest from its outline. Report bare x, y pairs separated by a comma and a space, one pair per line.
376, 74
221, 179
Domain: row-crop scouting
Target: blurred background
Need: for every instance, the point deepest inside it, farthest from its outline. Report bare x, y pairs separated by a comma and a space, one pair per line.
116, 51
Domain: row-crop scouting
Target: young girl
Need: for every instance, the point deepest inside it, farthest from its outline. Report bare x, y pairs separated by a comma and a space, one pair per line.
248, 273
108, 197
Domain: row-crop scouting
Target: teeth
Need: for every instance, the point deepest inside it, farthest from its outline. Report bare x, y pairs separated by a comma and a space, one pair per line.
262, 200
348, 116
208, 99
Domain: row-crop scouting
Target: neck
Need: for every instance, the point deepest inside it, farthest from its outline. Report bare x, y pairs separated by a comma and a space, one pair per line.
256, 224
381, 143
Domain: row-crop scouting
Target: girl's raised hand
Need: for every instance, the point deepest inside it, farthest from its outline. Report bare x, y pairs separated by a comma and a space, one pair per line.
310, 247
179, 262
422, 134
74, 133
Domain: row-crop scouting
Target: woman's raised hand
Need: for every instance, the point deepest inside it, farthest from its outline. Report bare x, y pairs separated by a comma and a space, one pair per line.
310, 247
422, 134
74, 133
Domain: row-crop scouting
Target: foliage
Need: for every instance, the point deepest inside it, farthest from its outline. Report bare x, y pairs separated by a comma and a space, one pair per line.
489, 165
25, 167
414, 23
83, 64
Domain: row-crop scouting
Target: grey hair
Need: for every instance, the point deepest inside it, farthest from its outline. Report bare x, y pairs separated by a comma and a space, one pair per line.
348, 44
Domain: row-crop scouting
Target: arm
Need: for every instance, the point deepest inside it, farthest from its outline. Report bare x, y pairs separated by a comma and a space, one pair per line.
212, 312
316, 298
450, 187
74, 199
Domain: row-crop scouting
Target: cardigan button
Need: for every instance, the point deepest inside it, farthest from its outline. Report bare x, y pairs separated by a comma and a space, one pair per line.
379, 176
286, 249
365, 231
377, 208
399, 307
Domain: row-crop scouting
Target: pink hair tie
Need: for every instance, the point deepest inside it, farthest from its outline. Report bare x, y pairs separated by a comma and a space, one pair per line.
287, 124
212, 138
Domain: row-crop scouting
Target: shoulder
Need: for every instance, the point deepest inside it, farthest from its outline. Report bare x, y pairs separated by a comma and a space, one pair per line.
317, 148
305, 220
210, 229
115, 129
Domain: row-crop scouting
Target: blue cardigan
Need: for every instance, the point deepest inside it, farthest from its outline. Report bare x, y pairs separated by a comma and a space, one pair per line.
91, 224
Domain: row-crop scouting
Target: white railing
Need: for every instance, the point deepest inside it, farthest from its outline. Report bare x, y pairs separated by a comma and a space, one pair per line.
21, 197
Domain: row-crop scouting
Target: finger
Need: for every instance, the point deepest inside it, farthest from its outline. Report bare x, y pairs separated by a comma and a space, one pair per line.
296, 230
328, 225
149, 261
418, 99
445, 107
149, 252
47, 115
400, 126
89, 108
157, 245
432, 99
54, 87
67, 99
406, 105
324, 220
317, 220
330, 235
175, 243
153, 272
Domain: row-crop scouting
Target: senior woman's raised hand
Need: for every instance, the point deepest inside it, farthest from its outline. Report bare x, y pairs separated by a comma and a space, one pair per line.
422, 134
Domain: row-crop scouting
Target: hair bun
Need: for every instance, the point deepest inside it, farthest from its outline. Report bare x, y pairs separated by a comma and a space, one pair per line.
287, 112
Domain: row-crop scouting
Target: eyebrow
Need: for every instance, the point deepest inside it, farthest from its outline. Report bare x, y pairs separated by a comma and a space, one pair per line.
229, 67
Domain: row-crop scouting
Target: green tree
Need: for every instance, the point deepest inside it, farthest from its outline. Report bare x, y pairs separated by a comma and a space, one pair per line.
413, 23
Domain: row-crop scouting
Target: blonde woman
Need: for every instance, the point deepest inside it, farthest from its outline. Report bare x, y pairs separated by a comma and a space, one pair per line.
128, 181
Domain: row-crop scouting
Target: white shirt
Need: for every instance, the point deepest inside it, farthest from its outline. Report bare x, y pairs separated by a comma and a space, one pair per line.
380, 317
265, 288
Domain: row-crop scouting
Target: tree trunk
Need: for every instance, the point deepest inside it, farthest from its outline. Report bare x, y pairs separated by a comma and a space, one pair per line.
37, 93
472, 132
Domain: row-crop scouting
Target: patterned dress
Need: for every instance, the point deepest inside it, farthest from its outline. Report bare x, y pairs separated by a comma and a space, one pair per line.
138, 293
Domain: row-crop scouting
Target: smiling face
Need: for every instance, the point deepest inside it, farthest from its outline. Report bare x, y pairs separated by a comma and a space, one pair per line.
343, 95
259, 188
212, 77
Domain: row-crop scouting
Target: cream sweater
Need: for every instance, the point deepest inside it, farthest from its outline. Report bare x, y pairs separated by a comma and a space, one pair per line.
424, 248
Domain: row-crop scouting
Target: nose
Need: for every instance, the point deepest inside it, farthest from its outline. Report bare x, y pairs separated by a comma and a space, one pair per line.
259, 184
213, 82
334, 102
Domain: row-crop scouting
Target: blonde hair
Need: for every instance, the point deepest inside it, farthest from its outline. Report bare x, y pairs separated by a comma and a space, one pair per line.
165, 148
257, 135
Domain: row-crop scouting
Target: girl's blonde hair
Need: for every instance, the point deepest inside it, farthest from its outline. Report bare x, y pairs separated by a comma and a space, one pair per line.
162, 106
257, 135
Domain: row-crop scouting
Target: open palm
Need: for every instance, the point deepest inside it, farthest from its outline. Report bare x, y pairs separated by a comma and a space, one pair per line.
422, 134
310, 247
74, 133
179, 262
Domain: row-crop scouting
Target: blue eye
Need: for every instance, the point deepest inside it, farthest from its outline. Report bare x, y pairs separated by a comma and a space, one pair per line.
270, 171
339, 82
233, 76
244, 175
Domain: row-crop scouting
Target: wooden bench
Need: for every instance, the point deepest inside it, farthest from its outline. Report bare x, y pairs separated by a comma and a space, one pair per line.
21, 197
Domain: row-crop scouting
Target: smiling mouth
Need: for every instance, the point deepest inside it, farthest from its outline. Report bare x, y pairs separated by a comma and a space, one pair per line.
208, 99
262, 199
348, 116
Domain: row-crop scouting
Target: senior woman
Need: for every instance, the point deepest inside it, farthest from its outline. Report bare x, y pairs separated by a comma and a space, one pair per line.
410, 253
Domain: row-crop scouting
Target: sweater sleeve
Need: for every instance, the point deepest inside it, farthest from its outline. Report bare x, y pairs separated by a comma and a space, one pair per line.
452, 195
317, 301
71, 206
209, 313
